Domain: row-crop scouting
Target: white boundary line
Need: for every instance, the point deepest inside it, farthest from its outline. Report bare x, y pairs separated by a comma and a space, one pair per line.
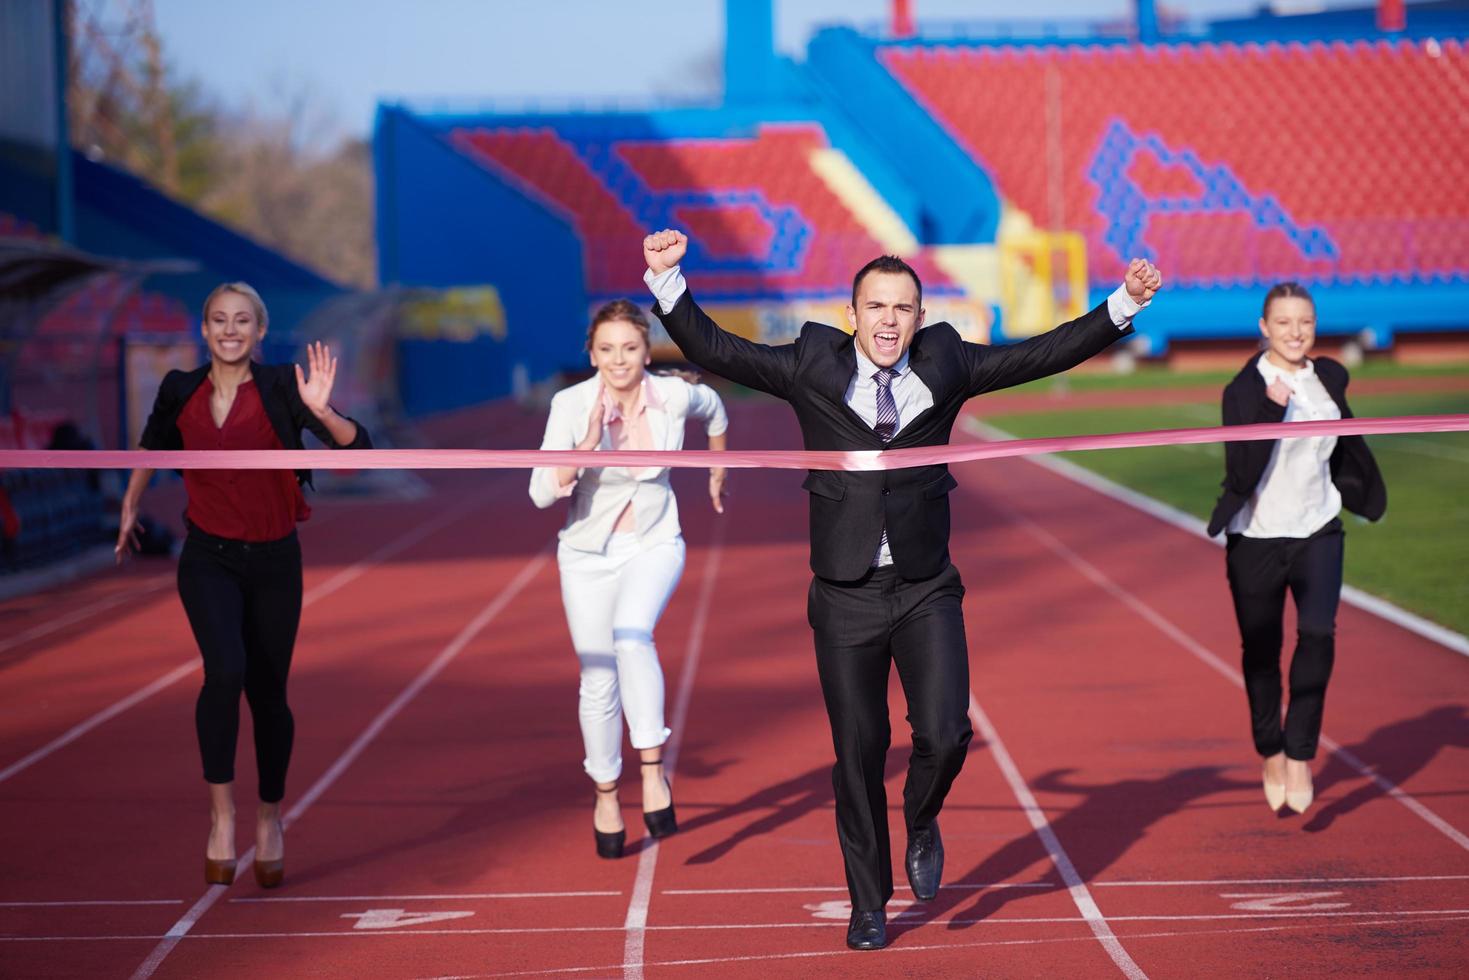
182, 927
1427, 915
636, 923
1396, 615
1214, 662
811, 890
1374, 880
448, 897
842, 890
1080, 897
320, 591
99, 901
934, 948
987, 886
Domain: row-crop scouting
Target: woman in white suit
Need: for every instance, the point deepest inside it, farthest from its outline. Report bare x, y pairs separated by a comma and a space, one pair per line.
621, 552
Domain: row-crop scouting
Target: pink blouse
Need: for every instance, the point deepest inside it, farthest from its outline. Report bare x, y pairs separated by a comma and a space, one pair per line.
629, 432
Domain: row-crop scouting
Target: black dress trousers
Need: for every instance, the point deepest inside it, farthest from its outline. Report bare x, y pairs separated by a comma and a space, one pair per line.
860, 628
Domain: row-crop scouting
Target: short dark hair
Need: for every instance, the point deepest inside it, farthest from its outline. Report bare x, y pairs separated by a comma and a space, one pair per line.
1285, 290
886, 263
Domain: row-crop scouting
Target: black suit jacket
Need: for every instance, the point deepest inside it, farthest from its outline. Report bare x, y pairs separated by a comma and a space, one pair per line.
850, 509
278, 393
1353, 468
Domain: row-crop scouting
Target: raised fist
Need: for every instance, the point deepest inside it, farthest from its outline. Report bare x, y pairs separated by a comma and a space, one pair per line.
1142, 280
664, 249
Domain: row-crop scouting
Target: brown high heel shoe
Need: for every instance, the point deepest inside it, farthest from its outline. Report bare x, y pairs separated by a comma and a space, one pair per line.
270, 874
219, 872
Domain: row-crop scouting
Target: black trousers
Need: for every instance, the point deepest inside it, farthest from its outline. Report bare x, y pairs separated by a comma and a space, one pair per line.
1260, 572
861, 628
243, 600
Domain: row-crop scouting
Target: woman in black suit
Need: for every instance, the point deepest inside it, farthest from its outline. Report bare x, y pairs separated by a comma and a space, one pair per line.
1280, 507
240, 570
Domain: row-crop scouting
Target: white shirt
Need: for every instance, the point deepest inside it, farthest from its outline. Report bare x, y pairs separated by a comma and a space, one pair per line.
601, 494
1295, 497
910, 394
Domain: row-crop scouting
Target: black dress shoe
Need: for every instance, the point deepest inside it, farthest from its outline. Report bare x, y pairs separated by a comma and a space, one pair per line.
867, 930
925, 861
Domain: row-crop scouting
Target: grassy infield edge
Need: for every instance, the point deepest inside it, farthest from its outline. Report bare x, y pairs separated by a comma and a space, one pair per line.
1185, 521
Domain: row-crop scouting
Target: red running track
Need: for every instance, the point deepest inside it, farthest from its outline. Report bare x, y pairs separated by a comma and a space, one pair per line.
1109, 819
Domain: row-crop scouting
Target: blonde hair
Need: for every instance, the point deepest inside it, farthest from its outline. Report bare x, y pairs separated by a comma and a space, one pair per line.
244, 289
626, 309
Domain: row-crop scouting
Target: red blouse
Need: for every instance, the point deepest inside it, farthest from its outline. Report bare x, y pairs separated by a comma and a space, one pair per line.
244, 505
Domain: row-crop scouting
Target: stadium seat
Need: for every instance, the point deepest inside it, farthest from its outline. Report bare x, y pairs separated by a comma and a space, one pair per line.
1362, 146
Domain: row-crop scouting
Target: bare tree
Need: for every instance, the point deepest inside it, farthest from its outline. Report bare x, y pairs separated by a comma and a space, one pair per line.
281, 174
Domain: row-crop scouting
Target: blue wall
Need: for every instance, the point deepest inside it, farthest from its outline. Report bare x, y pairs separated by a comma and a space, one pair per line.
957, 200
443, 221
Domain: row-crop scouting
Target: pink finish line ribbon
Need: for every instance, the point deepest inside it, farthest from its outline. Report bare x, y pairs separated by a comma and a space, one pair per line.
886, 459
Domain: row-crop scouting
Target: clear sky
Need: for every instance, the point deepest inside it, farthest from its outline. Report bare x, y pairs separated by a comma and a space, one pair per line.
350, 54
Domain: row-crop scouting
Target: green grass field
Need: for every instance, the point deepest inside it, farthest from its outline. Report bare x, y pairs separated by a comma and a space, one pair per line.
1150, 376
1416, 557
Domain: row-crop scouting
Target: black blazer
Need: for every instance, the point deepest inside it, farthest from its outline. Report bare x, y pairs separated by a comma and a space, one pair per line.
1353, 469
850, 509
278, 393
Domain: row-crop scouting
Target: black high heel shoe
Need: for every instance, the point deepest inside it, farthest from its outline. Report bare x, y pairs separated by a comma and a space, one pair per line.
610, 845
661, 823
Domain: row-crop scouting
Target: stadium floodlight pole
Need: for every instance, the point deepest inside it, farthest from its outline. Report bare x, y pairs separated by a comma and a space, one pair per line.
1392, 15
1147, 21
902, 23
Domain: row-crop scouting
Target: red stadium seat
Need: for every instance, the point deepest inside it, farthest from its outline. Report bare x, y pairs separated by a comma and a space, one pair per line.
774, 166
1337, 134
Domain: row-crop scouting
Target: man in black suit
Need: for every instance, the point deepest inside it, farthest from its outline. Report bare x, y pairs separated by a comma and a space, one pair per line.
884, 590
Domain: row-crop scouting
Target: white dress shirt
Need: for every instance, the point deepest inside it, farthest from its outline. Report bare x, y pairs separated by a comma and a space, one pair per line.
1295, 497
910, 394
600, 494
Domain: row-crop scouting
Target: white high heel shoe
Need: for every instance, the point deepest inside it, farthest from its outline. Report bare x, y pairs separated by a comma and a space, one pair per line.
1274, 792
1299, 799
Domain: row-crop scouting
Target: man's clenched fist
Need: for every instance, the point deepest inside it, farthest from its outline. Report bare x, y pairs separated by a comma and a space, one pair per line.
1143, 280
664, 249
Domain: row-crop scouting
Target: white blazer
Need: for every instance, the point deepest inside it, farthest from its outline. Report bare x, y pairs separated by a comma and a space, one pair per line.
599, 494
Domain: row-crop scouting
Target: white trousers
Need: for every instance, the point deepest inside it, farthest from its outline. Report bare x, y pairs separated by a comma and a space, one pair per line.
613, 601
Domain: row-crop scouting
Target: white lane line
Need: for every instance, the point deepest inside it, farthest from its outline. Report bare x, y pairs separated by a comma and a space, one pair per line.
815, 889
933, 948
1210, 659
842, 889
1080, 897
320, 591
445, 656
401, 543
1278, 881
97, 901
636, 923
447, 897
1184, 521
85, 612
1158, 883
1404, 915
102, 717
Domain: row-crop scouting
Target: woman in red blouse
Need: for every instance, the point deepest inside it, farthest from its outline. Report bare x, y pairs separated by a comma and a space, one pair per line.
240, 570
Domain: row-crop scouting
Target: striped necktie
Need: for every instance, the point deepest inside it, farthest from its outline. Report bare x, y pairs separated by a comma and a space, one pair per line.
887, 409
886, 427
